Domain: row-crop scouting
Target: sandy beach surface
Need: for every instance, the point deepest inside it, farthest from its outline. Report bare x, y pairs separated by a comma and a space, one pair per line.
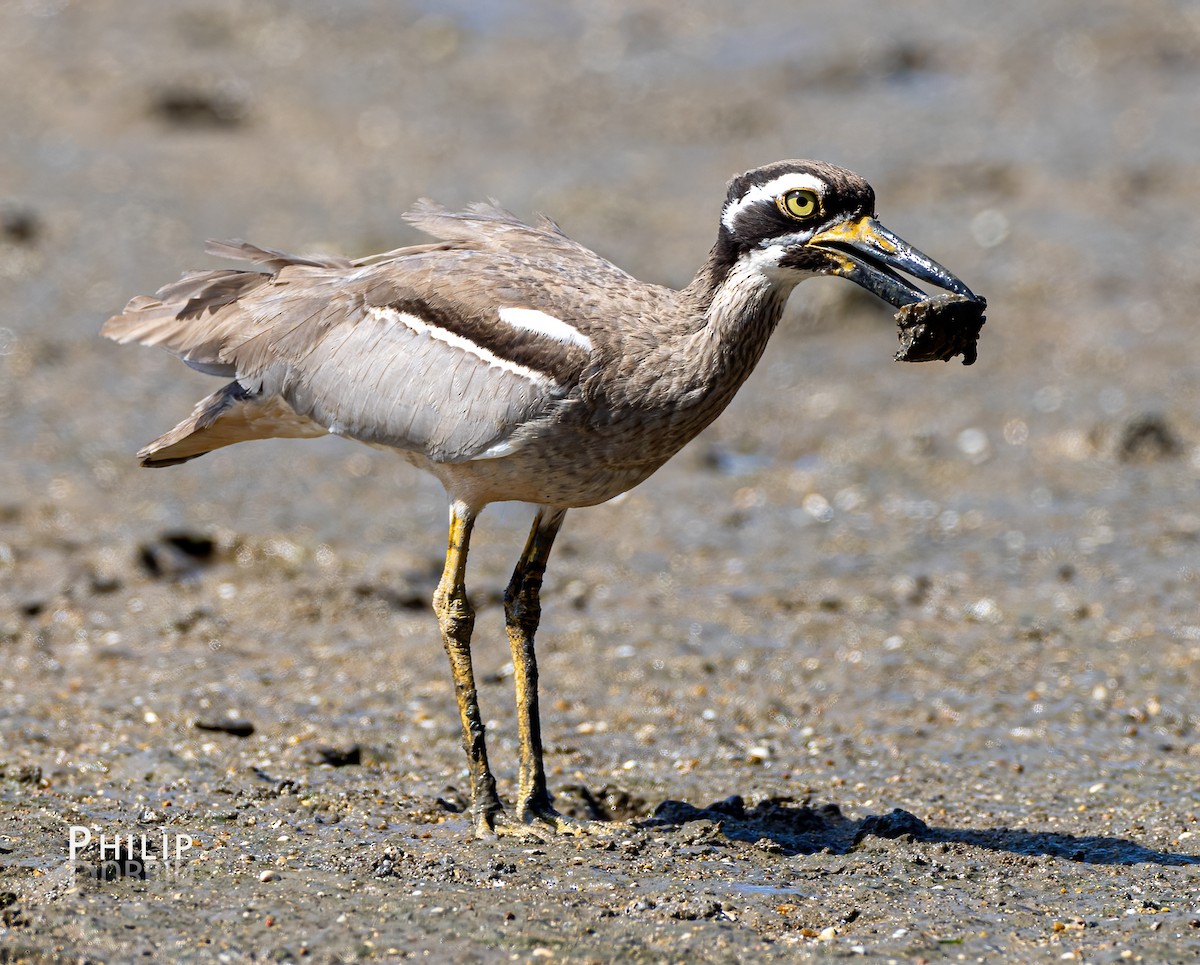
893, 663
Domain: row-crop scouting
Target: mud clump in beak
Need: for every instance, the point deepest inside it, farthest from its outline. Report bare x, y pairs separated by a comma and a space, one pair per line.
939, 328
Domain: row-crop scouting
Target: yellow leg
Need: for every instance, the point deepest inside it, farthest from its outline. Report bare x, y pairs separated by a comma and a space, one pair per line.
523, 611
457, 620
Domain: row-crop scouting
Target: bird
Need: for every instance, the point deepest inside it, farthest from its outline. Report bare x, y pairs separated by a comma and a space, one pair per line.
513, 364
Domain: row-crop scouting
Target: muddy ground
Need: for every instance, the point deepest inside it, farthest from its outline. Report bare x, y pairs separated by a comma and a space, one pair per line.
896, 662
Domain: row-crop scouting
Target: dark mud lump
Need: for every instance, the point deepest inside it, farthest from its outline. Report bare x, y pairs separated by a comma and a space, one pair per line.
939, 328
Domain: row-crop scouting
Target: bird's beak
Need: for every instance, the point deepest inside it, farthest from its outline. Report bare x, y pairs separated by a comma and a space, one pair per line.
870, 255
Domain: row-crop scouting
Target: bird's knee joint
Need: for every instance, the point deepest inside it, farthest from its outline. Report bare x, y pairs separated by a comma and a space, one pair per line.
455, 615
524, 612
522, 602
456, 628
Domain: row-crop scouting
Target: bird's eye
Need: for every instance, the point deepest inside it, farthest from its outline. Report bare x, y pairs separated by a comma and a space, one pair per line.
800, 204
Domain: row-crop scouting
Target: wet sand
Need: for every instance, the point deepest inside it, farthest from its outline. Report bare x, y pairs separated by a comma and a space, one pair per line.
895, 661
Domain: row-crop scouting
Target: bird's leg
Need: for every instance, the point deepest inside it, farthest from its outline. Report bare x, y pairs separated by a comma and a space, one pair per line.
457, 620
522, 612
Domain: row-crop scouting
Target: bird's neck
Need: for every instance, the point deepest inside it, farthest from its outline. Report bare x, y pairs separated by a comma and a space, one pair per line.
690, 370
738, 302
732, 308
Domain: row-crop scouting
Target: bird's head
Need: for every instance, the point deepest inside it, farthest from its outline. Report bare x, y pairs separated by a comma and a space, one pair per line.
793, 219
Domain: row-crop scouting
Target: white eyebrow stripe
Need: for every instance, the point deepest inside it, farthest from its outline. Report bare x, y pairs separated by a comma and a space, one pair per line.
419, 326
793, 181
532, 320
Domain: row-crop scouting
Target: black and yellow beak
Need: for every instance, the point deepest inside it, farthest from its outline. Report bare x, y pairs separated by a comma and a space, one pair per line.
871, 256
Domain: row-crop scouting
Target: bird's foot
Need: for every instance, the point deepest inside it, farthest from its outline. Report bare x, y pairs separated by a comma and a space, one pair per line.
541, 823
495, 822
544, 815
505, 825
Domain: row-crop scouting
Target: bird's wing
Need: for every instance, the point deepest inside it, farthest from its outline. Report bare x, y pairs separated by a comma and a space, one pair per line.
445, 348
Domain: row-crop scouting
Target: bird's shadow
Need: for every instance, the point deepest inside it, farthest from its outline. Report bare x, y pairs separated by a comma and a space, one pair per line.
791, 829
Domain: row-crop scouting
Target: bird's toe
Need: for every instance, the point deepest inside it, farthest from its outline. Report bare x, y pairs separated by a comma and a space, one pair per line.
557, 823
501, 824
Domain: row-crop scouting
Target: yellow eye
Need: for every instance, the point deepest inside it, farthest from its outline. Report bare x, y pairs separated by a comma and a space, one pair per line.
800, 204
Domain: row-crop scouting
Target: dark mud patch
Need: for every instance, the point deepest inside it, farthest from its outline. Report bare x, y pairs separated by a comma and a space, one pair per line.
1148, 437
177, 555
233, 726
775, 822
195, 108
786, 828
609, 803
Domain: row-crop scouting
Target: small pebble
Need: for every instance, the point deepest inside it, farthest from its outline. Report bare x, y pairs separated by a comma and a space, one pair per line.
269, 876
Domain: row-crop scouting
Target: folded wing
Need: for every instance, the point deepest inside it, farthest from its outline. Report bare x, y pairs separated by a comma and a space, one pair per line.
409, 349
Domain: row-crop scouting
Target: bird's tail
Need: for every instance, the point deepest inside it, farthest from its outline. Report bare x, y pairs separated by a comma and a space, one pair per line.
230, 415
198, 318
